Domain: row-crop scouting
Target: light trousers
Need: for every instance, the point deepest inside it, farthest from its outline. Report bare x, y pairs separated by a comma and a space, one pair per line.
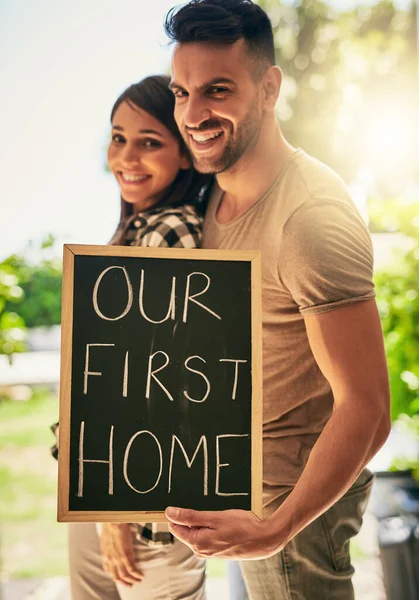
171, 572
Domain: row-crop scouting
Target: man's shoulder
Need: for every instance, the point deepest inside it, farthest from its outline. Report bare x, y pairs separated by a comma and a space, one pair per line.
321, 218
316, 178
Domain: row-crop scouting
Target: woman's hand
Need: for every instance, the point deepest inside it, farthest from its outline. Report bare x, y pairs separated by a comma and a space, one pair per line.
118, 557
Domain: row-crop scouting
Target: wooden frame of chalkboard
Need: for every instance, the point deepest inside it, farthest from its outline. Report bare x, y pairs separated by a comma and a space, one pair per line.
110, 358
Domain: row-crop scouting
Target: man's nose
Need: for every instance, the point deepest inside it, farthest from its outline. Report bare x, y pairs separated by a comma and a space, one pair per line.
196, 112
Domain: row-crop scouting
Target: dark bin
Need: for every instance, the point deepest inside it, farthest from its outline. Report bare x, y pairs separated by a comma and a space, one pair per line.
408, 500
398, 539
384, 501
415, 556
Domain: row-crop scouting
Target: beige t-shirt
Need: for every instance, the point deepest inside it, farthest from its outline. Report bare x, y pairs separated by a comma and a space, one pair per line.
316, 257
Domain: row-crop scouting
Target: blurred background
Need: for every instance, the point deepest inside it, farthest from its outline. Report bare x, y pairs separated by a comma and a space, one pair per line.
350, 97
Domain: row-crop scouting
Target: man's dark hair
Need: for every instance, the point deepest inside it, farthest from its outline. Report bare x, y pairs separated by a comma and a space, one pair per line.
224, 22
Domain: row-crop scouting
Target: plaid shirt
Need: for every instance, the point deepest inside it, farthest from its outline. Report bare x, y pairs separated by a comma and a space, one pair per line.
165, 227
161, 227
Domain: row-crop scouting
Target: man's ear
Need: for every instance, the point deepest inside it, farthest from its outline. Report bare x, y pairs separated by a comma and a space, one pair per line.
271, 85
185, 162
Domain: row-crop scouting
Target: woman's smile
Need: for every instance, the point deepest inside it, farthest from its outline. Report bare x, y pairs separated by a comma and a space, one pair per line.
132, 178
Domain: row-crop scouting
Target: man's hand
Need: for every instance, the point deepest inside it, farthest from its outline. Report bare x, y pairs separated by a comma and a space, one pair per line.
226, 534
118, 553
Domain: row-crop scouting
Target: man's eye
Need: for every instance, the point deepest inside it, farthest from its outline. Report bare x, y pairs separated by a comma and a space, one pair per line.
179, 93
217, 89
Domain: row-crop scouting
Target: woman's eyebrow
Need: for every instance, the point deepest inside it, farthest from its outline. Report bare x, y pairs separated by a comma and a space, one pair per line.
143, 131
152, 131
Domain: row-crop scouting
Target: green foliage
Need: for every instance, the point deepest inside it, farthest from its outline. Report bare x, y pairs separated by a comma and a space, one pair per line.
409, 427
397, 289
30, 295
41, 286
12, 325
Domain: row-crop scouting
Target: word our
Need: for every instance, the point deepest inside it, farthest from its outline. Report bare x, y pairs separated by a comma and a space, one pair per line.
171, 311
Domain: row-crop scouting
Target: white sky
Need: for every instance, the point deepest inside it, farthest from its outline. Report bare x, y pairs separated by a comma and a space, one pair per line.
62, 65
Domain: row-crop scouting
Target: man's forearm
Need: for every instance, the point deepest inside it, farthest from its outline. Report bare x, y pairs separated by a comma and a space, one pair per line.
343, 449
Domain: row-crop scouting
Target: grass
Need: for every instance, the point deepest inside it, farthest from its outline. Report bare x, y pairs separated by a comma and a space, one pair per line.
32, 543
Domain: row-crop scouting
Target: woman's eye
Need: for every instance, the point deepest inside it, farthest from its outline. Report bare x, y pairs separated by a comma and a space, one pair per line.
118, 139
149, 143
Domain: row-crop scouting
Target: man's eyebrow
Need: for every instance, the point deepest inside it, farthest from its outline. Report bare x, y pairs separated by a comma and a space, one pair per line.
216, 80
173, 84
207, 84
143, 131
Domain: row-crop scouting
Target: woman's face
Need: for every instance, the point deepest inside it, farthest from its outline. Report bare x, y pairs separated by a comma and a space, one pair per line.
144, 156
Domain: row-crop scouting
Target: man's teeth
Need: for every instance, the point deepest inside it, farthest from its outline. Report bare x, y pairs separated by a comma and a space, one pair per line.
129, 177
204, 137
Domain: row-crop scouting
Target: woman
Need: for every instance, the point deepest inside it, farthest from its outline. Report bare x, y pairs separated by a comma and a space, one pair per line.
161, 197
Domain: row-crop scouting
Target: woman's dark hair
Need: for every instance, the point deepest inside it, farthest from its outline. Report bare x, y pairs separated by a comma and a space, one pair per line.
152, 95
224, 22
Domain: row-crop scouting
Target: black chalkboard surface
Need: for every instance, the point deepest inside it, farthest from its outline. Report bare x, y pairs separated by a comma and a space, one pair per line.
160, 398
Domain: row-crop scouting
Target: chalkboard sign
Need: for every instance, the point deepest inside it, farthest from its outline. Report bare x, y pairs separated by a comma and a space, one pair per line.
160, 398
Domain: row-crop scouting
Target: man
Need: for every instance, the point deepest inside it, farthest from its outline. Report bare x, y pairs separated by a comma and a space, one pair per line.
326, 399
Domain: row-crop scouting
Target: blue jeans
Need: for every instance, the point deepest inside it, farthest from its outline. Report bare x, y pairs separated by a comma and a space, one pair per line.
315, 565
236, 586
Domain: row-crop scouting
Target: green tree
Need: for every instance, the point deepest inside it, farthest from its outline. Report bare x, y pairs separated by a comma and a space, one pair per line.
40, 283
340, 69
398, 301
12, 325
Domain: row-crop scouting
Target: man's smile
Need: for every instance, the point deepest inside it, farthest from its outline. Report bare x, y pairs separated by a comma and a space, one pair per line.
204, 137
203, 142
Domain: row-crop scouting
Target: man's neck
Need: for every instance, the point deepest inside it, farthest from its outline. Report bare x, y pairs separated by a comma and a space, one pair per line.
253, 174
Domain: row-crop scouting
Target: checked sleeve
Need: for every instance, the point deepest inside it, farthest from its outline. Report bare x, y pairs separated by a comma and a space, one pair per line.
176, 228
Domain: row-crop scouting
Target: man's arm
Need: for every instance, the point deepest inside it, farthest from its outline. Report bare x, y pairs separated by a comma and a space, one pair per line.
348, 347
347, 344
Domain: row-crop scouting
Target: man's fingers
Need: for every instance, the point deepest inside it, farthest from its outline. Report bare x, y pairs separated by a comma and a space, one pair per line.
182, 533
196, 538
190, 518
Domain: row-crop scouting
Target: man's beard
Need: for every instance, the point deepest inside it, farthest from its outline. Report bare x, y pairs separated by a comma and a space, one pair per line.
247, 133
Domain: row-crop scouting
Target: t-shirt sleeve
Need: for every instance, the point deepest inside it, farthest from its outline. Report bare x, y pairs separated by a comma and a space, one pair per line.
326, 257
174, 230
